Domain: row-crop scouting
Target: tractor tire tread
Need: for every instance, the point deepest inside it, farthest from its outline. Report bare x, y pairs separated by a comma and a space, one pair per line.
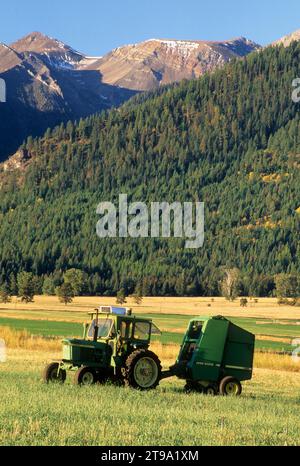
128, 369
49, 368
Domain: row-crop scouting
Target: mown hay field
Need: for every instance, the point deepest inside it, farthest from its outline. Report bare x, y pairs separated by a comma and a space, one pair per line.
32, 413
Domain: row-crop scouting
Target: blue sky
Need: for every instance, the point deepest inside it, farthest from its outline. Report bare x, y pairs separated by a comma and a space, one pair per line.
96, 26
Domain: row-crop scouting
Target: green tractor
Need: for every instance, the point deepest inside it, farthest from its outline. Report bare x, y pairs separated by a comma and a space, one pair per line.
115, 346
214, 358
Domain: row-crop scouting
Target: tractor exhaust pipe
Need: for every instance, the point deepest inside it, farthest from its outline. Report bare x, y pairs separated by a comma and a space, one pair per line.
96, 326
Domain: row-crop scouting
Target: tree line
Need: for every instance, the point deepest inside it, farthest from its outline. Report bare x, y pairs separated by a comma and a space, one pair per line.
286, 287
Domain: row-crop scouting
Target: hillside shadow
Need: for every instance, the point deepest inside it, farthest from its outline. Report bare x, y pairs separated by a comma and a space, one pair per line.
33, 106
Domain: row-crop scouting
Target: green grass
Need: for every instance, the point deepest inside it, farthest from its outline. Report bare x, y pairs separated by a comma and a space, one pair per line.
251, 324
32, 413
44, 327
276, 346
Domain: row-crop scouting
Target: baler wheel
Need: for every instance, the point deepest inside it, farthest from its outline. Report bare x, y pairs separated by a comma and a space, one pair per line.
85, 376
52, 373
191, 387
211, 390
230, 386
142, 370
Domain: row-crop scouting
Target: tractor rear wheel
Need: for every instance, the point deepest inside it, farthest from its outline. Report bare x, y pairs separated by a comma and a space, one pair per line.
52, 373
142, 370
85, 376
230, 386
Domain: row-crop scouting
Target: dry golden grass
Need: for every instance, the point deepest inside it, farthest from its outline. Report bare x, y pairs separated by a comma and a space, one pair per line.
21, 339
168, 354
51, 307
283, 362
273, 338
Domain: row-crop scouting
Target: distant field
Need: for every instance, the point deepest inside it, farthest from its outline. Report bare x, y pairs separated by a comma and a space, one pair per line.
274, 326
265, 307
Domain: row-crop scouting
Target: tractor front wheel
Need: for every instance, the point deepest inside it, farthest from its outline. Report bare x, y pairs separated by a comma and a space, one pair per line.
142, 370
230, 386
85, 376
52, 373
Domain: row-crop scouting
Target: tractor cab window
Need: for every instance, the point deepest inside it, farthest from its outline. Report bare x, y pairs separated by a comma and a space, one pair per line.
142, 331
126, 329
104, 328
195, 330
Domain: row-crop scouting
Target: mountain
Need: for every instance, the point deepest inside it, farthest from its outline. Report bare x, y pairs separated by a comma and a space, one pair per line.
45, 86
288, 39
9, 58
53, 48
48, 82
230, 139
155, 62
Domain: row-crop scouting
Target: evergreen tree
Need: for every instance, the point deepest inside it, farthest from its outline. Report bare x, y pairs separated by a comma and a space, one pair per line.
26, 286
138, 295
76, 279
65, 293
5, 294
121, 297
49, 286
13, 285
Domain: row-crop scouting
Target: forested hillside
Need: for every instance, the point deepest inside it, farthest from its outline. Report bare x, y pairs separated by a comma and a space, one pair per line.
230, 139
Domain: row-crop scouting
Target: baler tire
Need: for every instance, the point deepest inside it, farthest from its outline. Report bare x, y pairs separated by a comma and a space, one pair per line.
223, 388
211, 390
129, 371
188, 388
194, 387
49, 373
79, 378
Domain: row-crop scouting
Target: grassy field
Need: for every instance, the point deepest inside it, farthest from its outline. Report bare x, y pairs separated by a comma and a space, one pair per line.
32, 413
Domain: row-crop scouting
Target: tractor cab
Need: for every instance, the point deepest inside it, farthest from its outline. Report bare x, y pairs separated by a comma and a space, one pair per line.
119, 328
105, 329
